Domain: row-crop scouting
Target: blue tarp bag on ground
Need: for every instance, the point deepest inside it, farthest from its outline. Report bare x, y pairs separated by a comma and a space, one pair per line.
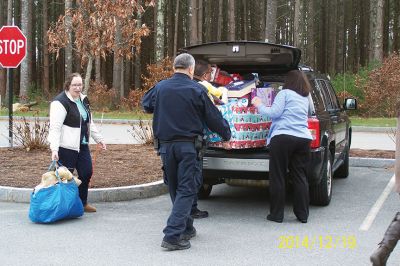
57, 202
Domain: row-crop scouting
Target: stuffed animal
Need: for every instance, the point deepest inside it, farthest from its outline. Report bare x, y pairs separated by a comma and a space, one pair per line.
50, 178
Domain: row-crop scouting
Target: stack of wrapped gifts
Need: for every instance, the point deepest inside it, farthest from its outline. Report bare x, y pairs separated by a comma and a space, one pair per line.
249, 128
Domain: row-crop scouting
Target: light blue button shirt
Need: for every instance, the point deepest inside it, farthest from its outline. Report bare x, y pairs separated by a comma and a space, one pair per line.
84, 115
289, 114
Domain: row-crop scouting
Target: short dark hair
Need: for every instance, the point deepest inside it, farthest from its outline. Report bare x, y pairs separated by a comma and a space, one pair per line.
297, 81
201, 67
69, 79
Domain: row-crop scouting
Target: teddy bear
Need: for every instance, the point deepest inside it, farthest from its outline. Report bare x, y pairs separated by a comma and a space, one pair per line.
50, 178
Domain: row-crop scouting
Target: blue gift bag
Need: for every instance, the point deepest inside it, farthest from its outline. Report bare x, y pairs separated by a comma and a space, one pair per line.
60, 201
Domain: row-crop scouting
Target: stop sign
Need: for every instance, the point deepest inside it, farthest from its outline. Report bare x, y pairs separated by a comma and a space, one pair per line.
12, 46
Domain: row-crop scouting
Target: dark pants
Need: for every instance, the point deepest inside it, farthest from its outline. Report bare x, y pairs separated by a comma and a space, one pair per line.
82, 162
293, 153
182, 174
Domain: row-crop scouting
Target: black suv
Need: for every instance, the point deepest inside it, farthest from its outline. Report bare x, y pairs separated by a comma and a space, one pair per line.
328, 121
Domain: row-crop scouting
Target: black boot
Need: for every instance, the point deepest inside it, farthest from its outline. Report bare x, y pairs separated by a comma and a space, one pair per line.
388, 243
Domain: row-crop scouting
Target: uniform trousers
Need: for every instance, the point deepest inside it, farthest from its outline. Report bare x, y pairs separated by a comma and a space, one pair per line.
182, 174
82, 162
293, 154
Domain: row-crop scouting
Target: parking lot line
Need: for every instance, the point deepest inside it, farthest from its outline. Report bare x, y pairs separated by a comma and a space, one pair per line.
377, 206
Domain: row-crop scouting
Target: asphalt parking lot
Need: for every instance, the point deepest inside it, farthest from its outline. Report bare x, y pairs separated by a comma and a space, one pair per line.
236, 233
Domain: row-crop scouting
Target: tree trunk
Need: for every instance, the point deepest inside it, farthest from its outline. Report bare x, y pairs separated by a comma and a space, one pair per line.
200, 22
208, 18
68, 47
297, 34
396, 27
46, 71
193, 22
231, 20
262, 11
220, 20
376, 28
122, 80
332, 37
340, 35
270, 22
176, 28
385, 29
245, 20
138, 66
26, 27
364, 33
117, 67
160, 31
89, 68
310, 49
97, 66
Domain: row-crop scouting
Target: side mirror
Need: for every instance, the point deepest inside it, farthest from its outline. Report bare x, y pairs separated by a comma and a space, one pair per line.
350, 104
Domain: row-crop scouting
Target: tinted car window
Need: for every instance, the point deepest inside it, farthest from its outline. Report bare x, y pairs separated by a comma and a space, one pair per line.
321, 87
332, 94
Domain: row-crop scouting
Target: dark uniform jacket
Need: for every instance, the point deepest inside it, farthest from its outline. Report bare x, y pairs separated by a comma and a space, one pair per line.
182, 109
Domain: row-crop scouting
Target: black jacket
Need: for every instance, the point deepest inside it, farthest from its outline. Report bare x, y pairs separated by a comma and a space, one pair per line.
182, 109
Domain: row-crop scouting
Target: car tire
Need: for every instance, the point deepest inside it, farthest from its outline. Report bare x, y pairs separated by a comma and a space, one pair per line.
343, 170
321, 193
204, 191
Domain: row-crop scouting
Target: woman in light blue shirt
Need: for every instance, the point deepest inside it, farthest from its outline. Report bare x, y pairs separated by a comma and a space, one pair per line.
289, 141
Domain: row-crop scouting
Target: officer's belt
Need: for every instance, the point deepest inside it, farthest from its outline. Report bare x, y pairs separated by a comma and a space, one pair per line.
181, 139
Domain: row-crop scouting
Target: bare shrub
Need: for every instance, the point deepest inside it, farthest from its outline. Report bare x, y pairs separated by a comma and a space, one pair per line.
382, 89
143, 132
155, 73
31, 135
101, 97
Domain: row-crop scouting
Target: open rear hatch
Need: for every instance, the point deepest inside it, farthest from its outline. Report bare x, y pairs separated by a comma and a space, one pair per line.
247, 56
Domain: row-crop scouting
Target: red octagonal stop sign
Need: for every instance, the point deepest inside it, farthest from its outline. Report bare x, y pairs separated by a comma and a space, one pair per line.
12, 46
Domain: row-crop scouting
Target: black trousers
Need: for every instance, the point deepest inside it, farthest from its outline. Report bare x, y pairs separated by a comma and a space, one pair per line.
182, 174
289, 153
82, 162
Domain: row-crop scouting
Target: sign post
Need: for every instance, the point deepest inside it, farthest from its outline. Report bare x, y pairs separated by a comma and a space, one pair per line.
12, 52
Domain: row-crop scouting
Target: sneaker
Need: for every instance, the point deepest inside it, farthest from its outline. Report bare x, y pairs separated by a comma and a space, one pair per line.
179, 245
188, 235
197, 214
89, 208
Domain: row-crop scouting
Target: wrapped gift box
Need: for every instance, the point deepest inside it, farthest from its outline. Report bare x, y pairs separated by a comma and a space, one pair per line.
249, 128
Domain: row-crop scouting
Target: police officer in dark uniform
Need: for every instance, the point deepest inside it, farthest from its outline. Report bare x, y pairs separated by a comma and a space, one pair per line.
181, 109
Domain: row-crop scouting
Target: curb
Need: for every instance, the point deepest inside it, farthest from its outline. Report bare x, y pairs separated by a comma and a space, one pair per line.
371, 162
22, 195
373, 129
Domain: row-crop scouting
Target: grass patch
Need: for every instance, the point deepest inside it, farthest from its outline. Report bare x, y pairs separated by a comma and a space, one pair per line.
373, 122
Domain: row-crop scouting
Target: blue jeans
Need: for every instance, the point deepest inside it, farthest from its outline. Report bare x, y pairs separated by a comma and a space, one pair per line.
82, 162
182, 173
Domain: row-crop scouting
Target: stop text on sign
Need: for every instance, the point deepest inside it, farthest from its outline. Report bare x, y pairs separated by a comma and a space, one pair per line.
11, 47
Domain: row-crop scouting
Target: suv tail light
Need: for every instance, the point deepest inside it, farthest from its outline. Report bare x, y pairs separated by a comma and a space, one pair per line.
313, 126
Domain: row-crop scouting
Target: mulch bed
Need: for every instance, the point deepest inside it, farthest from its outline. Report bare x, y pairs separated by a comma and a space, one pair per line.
120, 165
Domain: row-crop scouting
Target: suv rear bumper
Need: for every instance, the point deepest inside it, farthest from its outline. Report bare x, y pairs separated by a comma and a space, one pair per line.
253, 164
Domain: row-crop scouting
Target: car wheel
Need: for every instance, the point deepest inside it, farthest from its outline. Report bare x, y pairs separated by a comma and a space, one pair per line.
321, 194
205, 191
343, 170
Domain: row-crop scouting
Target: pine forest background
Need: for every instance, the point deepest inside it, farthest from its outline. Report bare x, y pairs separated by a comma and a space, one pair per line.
119, 46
